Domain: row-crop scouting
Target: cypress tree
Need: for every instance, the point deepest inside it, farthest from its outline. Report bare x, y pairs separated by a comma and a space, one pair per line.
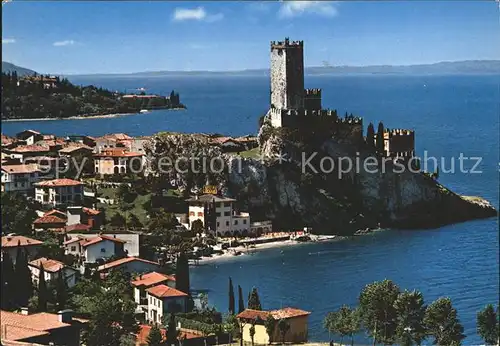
8, 281
182, 273
24, 285
231, 297
154, 337
61, 294
380, 139
241, 303
370, 136
254, 300
171, 331
42, 290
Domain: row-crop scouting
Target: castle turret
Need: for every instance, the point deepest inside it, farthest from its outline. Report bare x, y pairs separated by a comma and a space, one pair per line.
287, 74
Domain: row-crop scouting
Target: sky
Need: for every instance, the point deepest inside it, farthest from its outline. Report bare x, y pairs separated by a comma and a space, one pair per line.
80, 37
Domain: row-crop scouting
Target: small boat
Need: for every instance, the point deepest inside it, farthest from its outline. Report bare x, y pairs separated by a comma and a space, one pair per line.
236, 253
142, 111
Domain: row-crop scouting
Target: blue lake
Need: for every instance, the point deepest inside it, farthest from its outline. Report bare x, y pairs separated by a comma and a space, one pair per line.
451, 115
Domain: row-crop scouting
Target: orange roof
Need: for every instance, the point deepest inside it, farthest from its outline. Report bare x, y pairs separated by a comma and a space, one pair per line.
152, 278
49, 265
89, 211
15, 240
42, 321
164, 291
6, 140
56, 212
30, 149
115, 136
144, 329
288, 312
117, 152
51, 142
101, 238
20, 169
77, 227
124, 261
49, 219
220, 140
14, 333
59, 182
82, 240
74, 146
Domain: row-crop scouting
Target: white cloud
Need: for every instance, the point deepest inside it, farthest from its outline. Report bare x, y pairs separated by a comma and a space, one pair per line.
64, 43
296, 8
8, 40
198, 13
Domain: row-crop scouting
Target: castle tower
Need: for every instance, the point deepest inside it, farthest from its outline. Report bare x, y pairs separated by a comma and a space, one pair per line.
287, 74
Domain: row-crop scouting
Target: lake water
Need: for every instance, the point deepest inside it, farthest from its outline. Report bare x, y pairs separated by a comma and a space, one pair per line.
451, 115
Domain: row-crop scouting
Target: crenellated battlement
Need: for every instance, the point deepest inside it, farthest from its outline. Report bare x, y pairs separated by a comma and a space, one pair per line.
312, 92
286, 44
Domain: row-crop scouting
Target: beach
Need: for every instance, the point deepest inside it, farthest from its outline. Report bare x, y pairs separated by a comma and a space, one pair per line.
71, 118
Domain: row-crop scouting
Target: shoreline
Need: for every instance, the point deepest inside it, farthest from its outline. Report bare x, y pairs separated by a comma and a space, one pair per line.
246, 252
83, 117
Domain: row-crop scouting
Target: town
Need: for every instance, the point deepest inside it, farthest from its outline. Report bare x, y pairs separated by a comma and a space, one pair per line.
97, 244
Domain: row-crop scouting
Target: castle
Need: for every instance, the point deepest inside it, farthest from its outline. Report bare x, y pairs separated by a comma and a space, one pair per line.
294, 107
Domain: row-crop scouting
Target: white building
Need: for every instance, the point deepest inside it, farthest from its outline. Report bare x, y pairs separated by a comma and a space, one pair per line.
145, 281
10, 243
90, 250
19, 178
59, 192
131, 239
162, 300
118, 161
52, 269
228, 222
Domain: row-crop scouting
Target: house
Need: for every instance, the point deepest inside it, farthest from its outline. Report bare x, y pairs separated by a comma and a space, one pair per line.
50, 221
145, 281
7, 141
130, 265
189, 337
59, 192
90, 250
228, 144
82, 139
19, 178
163, 299
21, 152
29, 136
76, 150
10, 244
85, 216
261, 227
297, 320
52, 269
118, 161
41, 328
228, 222
114, 140
132, 239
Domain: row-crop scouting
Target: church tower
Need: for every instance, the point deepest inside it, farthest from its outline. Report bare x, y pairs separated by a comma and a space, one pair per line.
287, 74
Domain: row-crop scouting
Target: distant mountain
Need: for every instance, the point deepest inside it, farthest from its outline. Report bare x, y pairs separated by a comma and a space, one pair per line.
441, 68
7, 67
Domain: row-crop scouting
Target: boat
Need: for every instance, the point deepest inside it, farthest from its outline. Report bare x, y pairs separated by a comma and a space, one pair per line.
142, 111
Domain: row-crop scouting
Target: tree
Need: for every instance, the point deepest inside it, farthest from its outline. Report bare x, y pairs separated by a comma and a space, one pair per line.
380, 139
172, 333
117, 220
252, 332
270, 325
488, 325
61, 291
197, 226
378, 314
24, 285
155, 338
283, 327
442, 323
18, 213
182, 273
370, 136
254, 300
42, 290
231, 297
8, 281
241, 302
231, 326
343, 322
133, 221
410, 311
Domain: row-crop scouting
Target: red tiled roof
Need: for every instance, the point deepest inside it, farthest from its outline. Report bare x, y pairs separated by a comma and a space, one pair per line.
77, 227
49, 265
152, 278
276, 314
101, 238
124, 261
116, 136
42, 321
15, 240
82, 240
15, 333
144, 329
220, 140
49, 219
89, 211
6, 140
164, 291
59, 182
20, 169
57, 213
30, 149
117, 152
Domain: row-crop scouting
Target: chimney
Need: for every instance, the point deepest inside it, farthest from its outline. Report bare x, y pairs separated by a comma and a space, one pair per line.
25, 311
65, 316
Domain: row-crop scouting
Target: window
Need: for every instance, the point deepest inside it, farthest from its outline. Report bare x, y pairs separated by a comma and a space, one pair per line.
200, 213
73, 248
245, 221
235, 222
191, 213
227, 223
103, 250
227, 213
218, 224
217, 214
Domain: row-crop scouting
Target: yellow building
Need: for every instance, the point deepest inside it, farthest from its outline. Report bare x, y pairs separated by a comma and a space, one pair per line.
296, 319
